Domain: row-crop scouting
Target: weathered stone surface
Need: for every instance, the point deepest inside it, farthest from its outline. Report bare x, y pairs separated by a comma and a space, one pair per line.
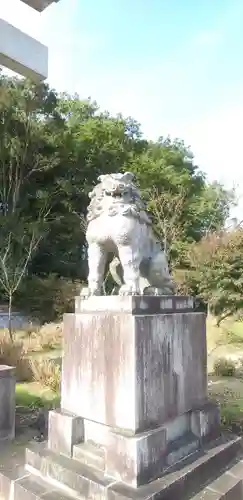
135, 304
191, 477
237, 470
133, 372
30, 488
136, 460
64, 431
181, 482
86, 481
181, 448
205, 422
90, 455
7, 402
20, 484
7, 478
207, 494
119, 226
60, 495
228, 484
170, 365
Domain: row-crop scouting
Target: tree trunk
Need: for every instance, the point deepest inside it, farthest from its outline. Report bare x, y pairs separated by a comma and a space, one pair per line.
10, 299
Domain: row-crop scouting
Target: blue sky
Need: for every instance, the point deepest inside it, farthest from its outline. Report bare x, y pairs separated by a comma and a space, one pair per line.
174, 66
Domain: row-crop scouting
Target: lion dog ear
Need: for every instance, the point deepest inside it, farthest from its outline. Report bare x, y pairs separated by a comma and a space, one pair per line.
128, 176
102, 177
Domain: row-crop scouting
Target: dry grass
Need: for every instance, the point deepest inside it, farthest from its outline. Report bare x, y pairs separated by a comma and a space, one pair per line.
29, 341
37, 339
45, 338
15, 355
51, 335
47, 373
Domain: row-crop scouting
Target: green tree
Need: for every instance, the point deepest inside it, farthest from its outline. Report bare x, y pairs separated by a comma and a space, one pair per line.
87, 144
216, 263
183, 206
57, 146
24, 205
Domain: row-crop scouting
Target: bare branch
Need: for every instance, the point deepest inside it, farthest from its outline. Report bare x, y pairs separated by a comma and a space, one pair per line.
32, 247
166, 208
83, 221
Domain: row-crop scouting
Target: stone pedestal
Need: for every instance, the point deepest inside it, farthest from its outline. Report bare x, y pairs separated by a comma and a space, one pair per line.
7, 402
135, 421
135, 370
134, 362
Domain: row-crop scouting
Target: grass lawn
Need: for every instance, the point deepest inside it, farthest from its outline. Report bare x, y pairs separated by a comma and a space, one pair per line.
223, 341
228, 391
229, 332
33, 395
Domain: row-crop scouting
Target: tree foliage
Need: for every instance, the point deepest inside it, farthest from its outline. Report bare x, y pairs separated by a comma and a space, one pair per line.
52, 149
216, 266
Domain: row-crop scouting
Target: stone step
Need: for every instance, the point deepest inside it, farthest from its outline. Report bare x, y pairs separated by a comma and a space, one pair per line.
91, 455
182, 447
20, 484
85, 480
182, 481
189, 476
229, 486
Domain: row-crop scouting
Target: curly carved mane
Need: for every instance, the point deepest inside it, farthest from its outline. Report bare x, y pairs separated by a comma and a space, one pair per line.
117, 195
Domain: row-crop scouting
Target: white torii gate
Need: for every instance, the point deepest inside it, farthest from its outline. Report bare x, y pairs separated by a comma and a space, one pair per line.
20, 52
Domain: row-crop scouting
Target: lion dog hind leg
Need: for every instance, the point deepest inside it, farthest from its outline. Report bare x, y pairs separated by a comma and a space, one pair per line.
130, 261
159, 275
116, 271
97, 261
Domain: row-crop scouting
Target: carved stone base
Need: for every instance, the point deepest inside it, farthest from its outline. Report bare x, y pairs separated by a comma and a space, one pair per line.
64, 431
213, 474
134, 459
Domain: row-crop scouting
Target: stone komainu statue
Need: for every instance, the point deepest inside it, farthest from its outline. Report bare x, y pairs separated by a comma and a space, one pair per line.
118, 225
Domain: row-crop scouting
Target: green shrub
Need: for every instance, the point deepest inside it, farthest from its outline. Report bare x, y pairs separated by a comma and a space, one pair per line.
47, 298
232, 417
224, 367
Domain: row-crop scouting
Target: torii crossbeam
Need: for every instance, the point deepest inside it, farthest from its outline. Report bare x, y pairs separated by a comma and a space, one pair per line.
20, 52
